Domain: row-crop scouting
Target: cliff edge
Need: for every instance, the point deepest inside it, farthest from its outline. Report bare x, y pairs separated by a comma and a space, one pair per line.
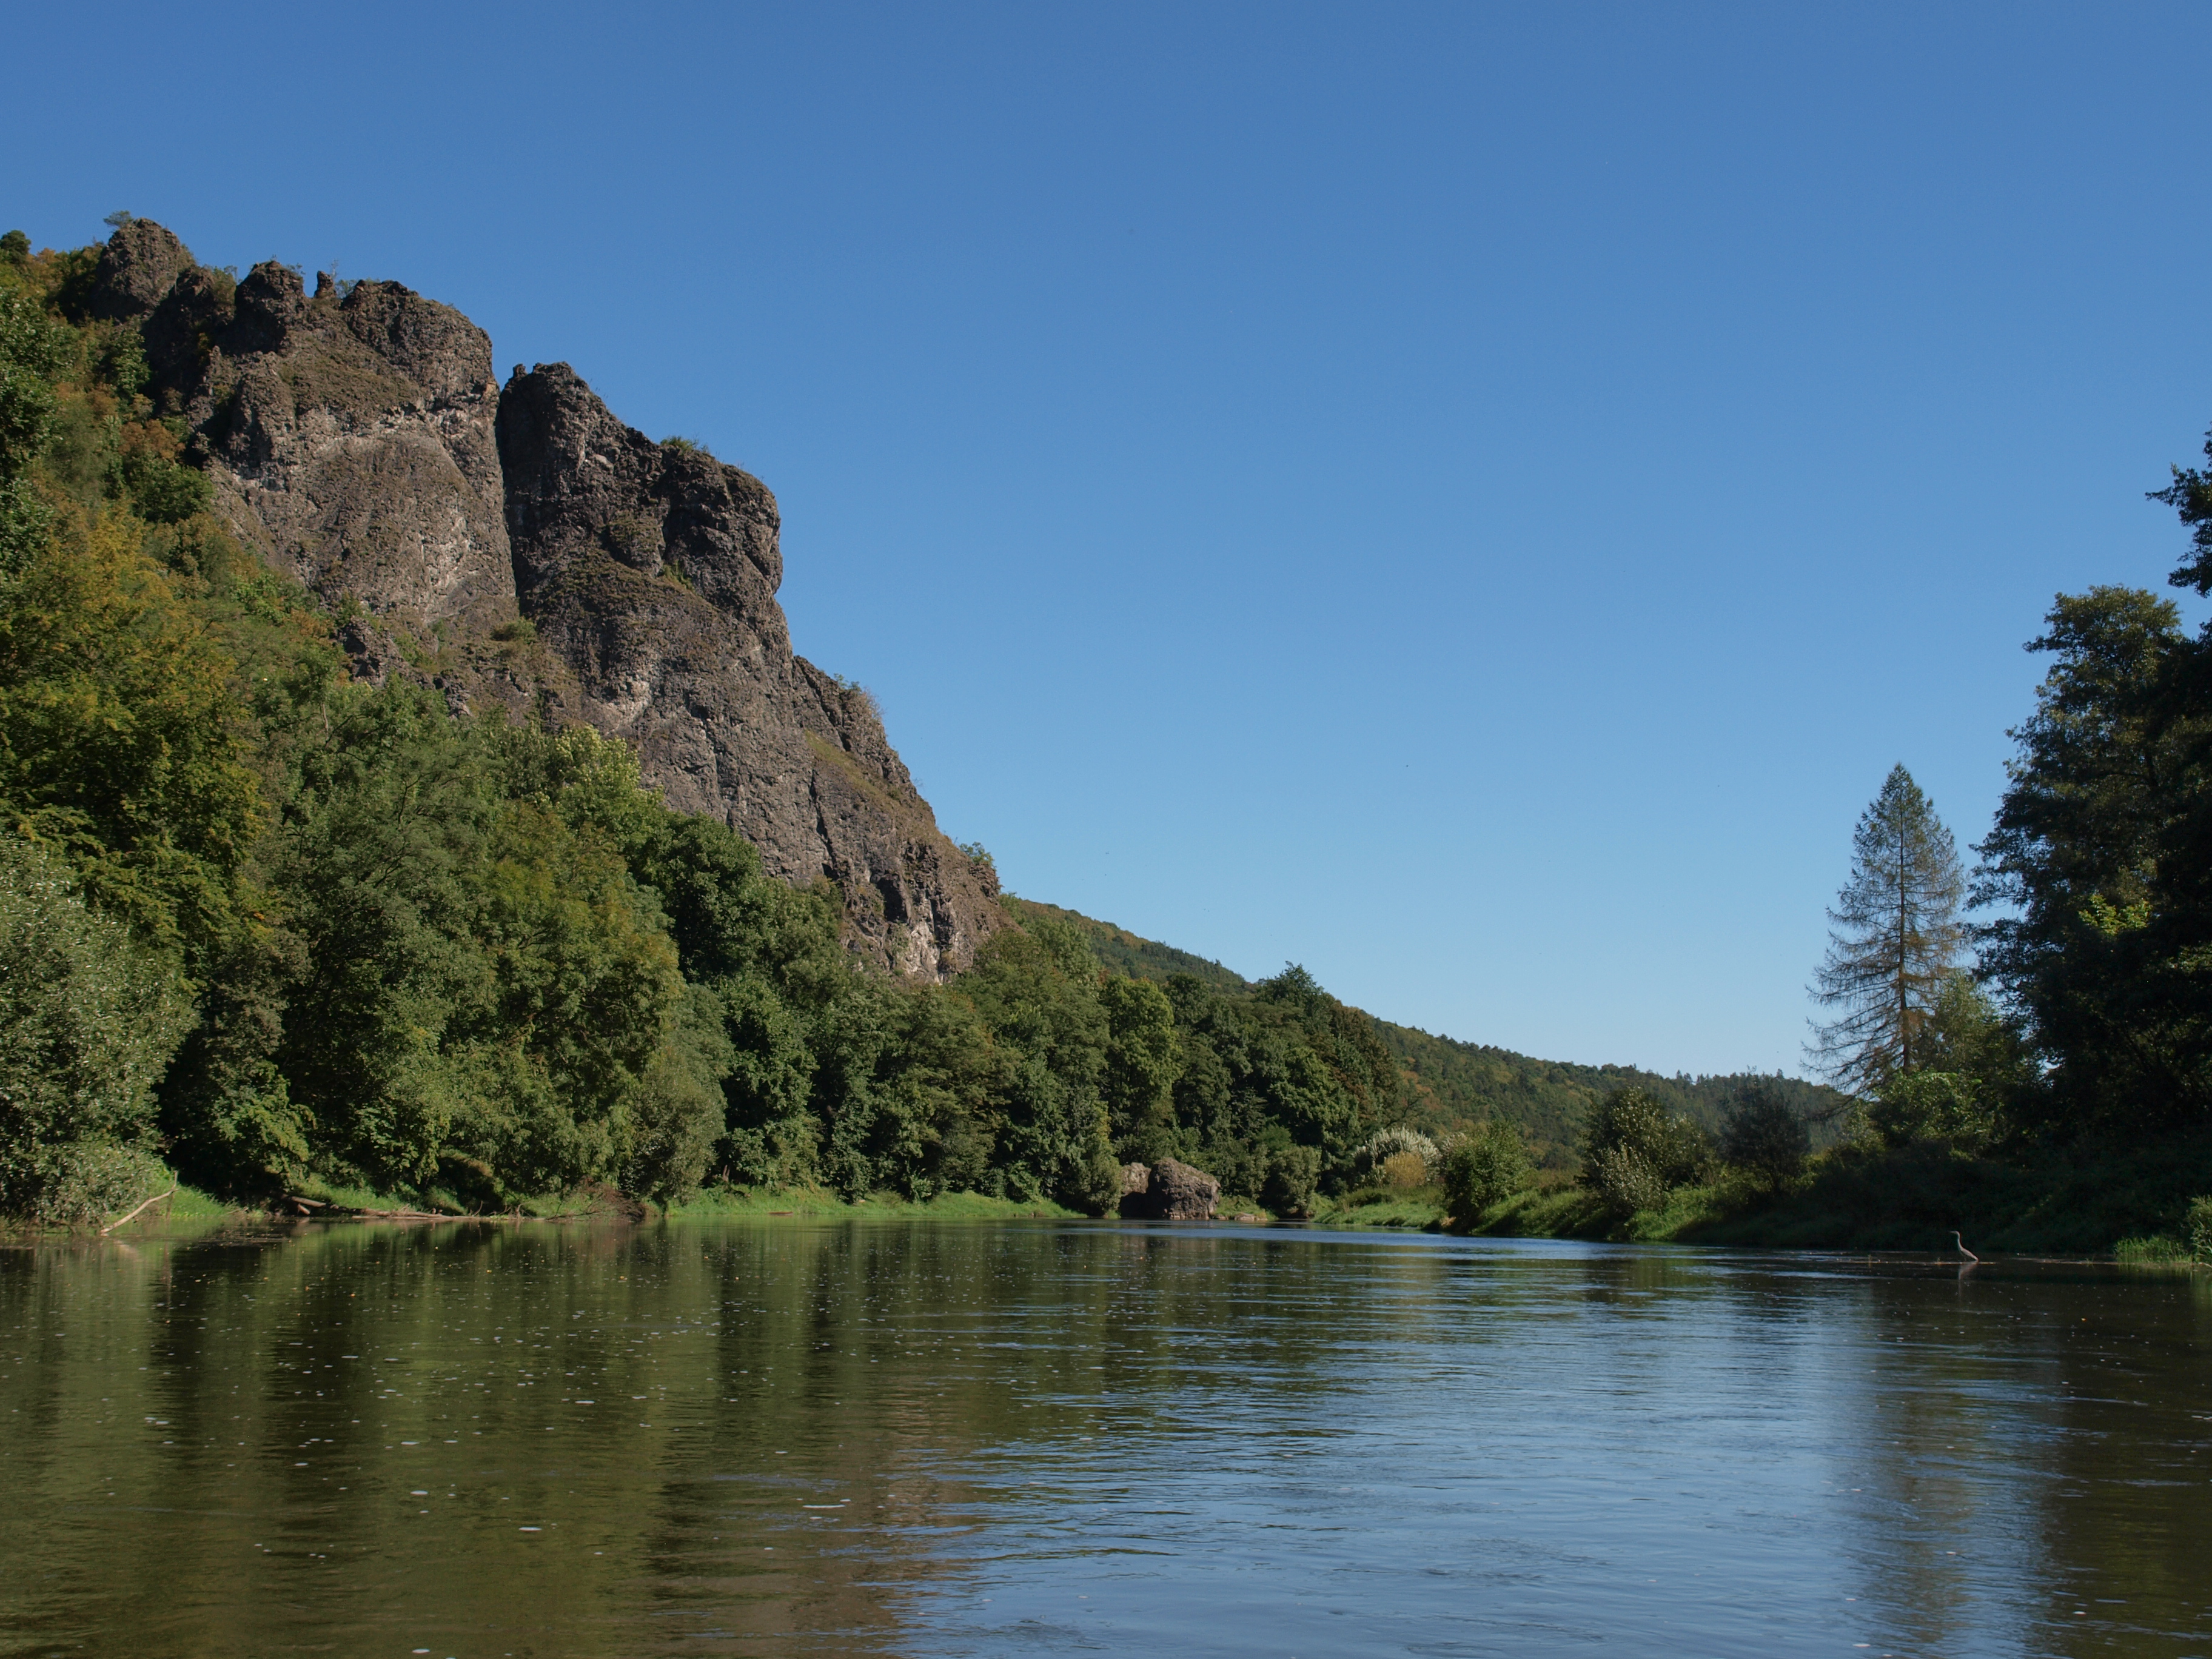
519, 545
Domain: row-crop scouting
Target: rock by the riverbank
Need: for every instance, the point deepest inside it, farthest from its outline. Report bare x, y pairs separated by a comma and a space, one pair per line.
1170, 1191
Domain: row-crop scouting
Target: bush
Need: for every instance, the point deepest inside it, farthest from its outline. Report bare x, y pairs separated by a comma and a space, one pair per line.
1761, 1133
165, 492
680, 1108
1406, 1169
1633, 1153
1487, 1168
89, 1017
1292, 1172
1370, 1160
1947, 1108
2196, 1230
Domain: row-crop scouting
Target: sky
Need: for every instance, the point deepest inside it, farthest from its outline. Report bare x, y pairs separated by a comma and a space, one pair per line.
1472, 500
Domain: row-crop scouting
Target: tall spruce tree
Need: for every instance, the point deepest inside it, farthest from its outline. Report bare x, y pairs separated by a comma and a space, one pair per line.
1894, 937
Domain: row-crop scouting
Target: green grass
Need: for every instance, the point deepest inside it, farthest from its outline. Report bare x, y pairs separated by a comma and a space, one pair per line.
805, 1203
1402, 1209
191, 1203
1546, 1212
2158, 1250
2132, 1203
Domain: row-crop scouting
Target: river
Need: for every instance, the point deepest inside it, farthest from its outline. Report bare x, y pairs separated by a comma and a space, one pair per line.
740, 1436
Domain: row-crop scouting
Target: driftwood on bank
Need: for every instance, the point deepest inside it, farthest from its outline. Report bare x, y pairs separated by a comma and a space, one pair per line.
309, 1206
120, 1219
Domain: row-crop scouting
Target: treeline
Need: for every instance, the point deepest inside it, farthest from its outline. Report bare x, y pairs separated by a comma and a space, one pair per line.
2044, 1075
279, 930
1449, 1088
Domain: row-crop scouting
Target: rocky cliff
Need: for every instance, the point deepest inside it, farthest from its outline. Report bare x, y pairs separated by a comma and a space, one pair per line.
521, 546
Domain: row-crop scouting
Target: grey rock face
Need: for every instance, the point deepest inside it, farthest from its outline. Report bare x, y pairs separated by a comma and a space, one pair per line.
1174, 1191
359, 441
354, 446
139, 266
651, 569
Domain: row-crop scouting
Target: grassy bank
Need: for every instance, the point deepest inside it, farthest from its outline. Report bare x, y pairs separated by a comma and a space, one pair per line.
1402, 1209
767, 1202
2135, 1205
189, 1206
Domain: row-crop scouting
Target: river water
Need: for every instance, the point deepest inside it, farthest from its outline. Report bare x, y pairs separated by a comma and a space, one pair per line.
971, 1438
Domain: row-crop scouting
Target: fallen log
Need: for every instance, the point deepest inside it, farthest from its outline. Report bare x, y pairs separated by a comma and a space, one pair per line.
119, 1220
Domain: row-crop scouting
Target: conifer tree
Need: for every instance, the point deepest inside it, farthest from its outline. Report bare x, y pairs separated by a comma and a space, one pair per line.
1894, 936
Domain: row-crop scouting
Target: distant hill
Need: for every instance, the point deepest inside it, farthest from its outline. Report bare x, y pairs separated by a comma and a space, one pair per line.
1450, 1085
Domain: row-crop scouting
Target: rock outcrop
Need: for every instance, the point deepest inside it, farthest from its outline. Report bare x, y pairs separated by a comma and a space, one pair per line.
651, 569
350, 436
1170, 1191
523, 546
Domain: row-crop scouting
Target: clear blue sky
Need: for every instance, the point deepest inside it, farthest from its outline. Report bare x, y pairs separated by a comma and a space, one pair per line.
1471, 499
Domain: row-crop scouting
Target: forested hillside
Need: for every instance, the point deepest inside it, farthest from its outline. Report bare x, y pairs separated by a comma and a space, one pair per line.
299, 896
1449, 1086
286, 912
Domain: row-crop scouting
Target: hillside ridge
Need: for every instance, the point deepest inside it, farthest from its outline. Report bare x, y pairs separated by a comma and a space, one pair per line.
1452, 1083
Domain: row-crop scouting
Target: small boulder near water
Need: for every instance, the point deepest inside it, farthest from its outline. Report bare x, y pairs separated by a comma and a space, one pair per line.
1136, 1180
1172, 1191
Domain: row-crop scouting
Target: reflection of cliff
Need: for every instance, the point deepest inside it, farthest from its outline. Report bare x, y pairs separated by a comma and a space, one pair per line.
524, 547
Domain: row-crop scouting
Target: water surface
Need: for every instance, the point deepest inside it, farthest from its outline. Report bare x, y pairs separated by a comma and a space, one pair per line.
739, 1437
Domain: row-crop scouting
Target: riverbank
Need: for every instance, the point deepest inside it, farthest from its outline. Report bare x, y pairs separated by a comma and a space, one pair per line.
2139, 1205
2130, 1204
318, 1202
2131, 1207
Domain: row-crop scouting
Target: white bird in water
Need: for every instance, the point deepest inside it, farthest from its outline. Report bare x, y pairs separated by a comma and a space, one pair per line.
1963, 1250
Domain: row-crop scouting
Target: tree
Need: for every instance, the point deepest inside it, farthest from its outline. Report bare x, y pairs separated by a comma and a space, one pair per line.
1634, 1153
2097, 852
1487, 1168
1143, 1061
33, 350
1895, 934
1760, 1132
122, 743
88, 1015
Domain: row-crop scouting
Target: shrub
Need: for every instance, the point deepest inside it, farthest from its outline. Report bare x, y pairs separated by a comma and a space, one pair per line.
89, 1017
1292, 1172
1488, 1167
165, 491
1761, 1133
1938, 1108
1406, 1169
1634, 1153
2196, 1230
1627, 1180
1370, 1160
